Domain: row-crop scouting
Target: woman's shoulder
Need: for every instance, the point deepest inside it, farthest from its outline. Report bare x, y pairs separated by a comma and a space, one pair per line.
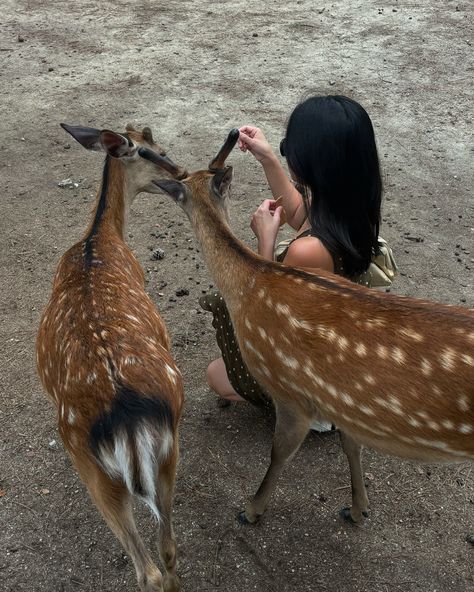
308, 251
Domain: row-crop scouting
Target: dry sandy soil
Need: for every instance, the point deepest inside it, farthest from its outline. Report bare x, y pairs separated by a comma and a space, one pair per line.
192, 70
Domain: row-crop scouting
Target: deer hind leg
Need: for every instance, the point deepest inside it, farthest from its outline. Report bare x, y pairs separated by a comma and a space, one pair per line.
114, 502
164, 503
291, 429
360, 501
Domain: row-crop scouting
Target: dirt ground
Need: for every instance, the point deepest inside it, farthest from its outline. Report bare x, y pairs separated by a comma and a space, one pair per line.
192, 70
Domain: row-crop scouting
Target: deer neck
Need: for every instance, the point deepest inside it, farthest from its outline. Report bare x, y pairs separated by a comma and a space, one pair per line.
230, 262
113, 200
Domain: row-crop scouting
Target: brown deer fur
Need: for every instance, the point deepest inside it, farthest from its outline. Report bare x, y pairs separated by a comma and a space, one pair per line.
393, 373
103, 357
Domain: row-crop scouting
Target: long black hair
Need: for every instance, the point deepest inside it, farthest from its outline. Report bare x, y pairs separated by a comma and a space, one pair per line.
330, 149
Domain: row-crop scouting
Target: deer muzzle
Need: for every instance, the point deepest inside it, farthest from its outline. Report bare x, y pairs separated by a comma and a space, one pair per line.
218, 163
164, 162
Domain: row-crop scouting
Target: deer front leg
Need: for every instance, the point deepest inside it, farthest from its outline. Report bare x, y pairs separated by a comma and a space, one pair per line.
291, 429
360, 501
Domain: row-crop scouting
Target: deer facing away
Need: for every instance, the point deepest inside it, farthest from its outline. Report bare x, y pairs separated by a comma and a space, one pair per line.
103, 356
395, 374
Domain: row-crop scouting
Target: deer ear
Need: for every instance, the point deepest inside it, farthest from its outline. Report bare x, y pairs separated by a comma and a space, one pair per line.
88, 137
222, 180
174, 189
114, 144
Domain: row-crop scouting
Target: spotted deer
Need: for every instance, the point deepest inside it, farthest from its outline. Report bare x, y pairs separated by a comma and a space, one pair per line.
395, 374
103, 356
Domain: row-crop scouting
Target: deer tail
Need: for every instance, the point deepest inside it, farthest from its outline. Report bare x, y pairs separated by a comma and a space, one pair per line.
132, 439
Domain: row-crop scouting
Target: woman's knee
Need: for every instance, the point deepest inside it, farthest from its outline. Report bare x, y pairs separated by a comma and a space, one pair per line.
213, 372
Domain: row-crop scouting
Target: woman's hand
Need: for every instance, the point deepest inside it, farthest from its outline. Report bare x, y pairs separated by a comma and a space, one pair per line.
265, 224
252, 139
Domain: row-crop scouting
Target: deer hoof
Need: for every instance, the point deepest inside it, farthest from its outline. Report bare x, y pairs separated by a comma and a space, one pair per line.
171, 584
346, 515
243, 519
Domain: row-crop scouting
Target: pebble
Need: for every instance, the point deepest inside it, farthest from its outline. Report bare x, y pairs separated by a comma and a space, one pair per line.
157, 255
182, 292
69, 183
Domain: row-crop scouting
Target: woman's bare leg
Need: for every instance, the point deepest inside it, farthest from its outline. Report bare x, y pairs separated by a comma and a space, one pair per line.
219, 381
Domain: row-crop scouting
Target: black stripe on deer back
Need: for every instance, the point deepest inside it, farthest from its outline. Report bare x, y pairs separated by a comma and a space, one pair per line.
89, 240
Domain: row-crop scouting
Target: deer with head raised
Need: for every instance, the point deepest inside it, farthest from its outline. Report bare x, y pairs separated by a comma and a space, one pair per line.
103, 356
395, 374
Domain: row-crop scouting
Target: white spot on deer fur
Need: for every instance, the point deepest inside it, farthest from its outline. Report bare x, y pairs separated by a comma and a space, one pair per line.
171, 373
433, 425
447, 358
265, 371
361, 350
342, 342
374, 323
71, 416
91, 377
398, 355
395, 405
287, 360
426, 367
412, 334
329, 359
382, 352
263, 333
269, 302
248, 324
414, 422
347, 399
446, 423
132, 318
261, 293
250, 347
366, 410
469, 360
297, 324
463, 403
282, 309
358, 386
465, 428
369, 379
423, 415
